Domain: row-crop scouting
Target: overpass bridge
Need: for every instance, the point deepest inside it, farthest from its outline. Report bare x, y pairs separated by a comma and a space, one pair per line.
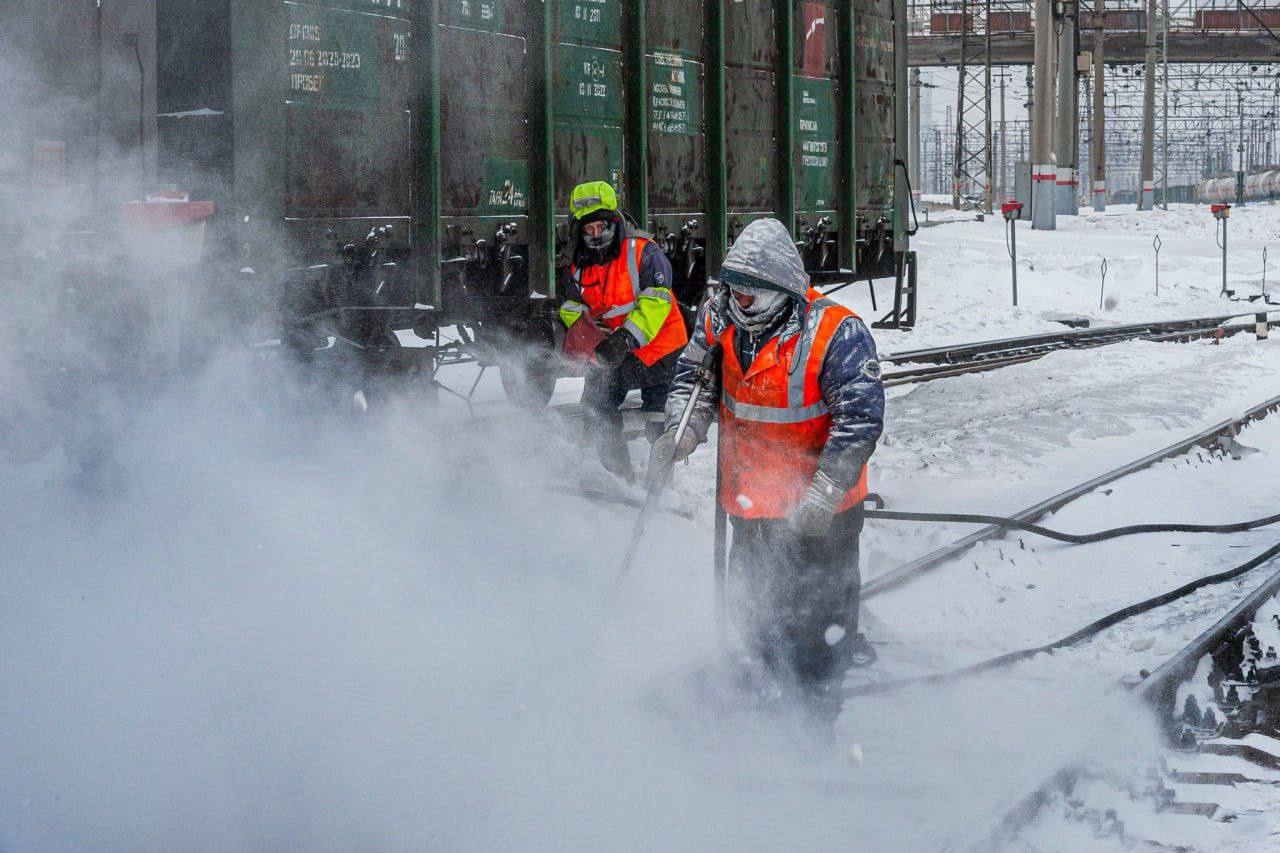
1185, 46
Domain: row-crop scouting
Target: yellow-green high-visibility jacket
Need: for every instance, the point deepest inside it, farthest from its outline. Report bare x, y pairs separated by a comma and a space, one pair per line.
612, 297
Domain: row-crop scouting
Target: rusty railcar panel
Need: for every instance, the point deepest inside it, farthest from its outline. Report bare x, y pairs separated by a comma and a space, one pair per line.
589, 110
750, 38
347, 96
677, 137
676, 26
587, 153
588, 96
876, 108
485, 133
751, 99
677, 132
816, 49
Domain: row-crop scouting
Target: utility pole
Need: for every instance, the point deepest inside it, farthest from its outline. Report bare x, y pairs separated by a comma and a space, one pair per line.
913, 157
957, 166
1065, 124
1147, 189
988, 153
1240, 149
1043, 169
971, 171
1099, 112
1088, 113
1004, 158
1164, 112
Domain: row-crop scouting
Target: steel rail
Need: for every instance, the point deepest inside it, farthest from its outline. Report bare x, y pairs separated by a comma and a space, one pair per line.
1157, 690
999, 347
1205, 438
983, 356
911, 376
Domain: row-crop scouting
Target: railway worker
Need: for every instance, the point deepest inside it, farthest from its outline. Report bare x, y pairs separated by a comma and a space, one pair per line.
621, 302
801, 407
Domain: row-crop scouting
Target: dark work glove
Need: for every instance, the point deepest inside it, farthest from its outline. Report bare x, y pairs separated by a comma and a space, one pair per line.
812, 516
614, 348
666, 451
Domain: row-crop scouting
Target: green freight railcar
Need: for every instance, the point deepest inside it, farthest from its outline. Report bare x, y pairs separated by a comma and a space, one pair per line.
463, 124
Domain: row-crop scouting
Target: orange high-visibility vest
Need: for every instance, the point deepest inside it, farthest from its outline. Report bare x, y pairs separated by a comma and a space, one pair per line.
612, 295
773, 420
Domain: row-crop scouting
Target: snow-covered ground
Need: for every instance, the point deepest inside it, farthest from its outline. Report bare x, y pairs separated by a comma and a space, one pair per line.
965, 281
286, 631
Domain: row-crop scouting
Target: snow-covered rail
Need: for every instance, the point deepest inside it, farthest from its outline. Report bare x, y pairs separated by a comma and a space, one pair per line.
982, 356
990, 355
1217, 701
1220, 435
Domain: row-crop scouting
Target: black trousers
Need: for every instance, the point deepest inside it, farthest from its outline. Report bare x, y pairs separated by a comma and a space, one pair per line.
794, 599
606, 388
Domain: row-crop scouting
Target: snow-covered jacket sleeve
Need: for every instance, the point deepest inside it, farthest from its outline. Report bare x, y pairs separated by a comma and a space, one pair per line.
704, 415
854, 394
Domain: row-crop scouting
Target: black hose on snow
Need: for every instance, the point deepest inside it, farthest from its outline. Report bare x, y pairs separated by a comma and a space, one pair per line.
1095, 627
1073, 538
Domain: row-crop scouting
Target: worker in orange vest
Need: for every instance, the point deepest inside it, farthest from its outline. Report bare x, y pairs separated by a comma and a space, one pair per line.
800, 403
621, 304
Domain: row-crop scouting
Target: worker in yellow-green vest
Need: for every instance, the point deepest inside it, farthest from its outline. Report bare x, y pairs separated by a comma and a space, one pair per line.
621, 315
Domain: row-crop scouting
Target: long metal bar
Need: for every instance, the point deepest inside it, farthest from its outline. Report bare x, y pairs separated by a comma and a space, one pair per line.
424, 238
717, 188
936, 557
1069, 338
848, 142
637, 98
784, 21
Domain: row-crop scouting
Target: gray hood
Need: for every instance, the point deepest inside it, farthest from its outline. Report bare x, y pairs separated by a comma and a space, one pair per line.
764, 250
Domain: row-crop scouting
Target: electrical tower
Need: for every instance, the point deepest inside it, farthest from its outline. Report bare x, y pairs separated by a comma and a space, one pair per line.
972, 166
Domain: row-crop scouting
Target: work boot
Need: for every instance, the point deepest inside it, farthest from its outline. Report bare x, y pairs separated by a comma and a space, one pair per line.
616, 458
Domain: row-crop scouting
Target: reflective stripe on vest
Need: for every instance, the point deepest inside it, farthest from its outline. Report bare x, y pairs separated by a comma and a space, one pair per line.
629, 250
795, 411
770, 415
614, 297
772, 436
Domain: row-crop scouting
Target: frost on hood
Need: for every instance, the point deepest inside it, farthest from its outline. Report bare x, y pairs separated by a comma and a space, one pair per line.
765, 250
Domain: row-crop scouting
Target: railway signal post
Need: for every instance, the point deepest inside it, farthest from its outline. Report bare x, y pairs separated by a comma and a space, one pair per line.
1221, 212
1156, 244
1012, 212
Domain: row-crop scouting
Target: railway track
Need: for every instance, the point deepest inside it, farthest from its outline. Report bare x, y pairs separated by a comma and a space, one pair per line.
925, 365
1220, 436
956, 360
1216, 701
